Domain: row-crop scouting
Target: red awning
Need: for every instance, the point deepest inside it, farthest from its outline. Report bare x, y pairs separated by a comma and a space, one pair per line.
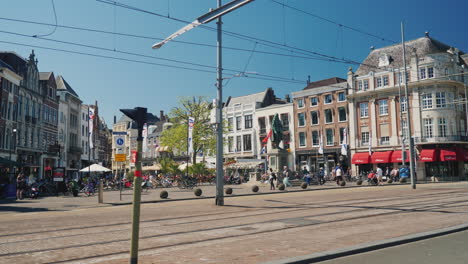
448, 155
396, 156
361, 158
462, 154
382, 157
428, 155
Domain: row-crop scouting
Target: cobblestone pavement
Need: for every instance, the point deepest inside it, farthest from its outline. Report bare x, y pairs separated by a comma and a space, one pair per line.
249, 229
66, 203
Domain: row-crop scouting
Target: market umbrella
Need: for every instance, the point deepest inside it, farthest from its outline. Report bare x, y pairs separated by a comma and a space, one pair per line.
95, 168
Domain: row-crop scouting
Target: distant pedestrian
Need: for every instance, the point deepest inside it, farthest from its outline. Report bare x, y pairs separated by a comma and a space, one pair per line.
272, 179
321, 176
339, 174
380, 175
20, 186
394, 174
306, 174
286, 175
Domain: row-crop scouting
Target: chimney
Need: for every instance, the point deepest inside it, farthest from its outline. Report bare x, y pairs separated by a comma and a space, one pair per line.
161, 115
308, 79
372, 48
115, 119
426, 34
287, 98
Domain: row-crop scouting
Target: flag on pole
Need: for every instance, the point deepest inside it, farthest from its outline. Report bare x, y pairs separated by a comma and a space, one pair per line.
91, 125
370, 143
191, 123
344, 144
145, 139
265, 140
320, 150
263, 150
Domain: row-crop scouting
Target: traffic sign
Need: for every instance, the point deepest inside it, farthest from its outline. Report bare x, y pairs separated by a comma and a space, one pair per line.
119, 144
120, 157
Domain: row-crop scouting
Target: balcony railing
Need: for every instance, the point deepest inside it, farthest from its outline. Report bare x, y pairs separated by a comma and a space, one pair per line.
440, 139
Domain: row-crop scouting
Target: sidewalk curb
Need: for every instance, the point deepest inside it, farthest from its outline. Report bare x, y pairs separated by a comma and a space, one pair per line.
371, 246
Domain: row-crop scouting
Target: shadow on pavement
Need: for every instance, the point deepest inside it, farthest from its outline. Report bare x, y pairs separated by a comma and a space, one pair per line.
22, 209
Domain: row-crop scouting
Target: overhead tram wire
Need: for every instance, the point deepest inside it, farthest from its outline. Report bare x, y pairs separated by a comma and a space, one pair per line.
229, 33
143, 55
336, 23
241, 36
307, 56
189, 43
55, 26
272, 78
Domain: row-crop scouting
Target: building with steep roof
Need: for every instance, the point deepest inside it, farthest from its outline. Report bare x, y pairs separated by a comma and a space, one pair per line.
26, 111
69, 128
50, 108
378, 109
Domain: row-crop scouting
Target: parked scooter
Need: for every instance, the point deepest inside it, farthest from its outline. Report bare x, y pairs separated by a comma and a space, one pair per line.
34, 192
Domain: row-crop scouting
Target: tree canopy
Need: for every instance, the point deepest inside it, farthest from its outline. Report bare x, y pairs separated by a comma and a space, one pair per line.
204, 136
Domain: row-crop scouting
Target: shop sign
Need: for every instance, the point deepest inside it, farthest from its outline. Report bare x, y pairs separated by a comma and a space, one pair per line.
58, 174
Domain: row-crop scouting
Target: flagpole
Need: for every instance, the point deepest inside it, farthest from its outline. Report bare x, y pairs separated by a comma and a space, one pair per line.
89, 149
188, 154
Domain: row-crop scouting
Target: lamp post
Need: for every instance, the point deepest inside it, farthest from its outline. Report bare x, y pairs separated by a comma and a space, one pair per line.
13, 141
408, 114
206, 18
466, 98
139, 115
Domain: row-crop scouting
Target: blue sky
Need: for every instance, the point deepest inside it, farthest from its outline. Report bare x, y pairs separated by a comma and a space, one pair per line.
122, 84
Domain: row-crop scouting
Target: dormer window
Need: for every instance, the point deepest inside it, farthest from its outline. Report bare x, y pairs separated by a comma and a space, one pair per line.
426, 72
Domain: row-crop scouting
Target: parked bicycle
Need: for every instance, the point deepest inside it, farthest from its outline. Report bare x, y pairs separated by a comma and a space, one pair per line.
187, 183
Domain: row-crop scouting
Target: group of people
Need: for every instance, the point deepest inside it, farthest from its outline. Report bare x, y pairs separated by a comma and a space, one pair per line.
23, 183
275, 180
377, 176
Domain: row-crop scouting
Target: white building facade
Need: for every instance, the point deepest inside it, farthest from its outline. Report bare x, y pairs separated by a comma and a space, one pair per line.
438, 118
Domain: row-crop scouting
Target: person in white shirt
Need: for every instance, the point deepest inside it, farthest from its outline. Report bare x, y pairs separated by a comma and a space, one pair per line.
339, 174
380, 175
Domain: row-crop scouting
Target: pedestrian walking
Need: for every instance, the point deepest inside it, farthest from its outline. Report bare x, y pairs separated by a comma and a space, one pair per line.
272, 179
286, 175
338, 174
321, 176
20, 186
380, 175
394, 174
306, 174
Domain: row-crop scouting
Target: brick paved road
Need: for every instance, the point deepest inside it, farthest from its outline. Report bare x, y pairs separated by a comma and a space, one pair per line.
250, 229
66, 203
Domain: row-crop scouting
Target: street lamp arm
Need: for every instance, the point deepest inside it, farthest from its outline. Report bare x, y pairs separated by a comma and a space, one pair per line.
206, 18
179, 32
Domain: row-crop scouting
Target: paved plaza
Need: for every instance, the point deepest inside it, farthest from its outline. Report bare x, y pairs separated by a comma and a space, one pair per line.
249, 229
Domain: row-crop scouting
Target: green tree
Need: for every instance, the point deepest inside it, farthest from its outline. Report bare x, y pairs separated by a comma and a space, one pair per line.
204, 136
198, 169
166, 165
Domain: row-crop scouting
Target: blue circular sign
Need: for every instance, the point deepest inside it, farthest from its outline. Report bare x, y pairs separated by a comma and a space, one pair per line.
120, 141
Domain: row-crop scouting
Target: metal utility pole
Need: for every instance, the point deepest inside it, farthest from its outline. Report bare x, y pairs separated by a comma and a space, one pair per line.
403, 151
466, 99
408, 113
138, 114
219, 117
206, 18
